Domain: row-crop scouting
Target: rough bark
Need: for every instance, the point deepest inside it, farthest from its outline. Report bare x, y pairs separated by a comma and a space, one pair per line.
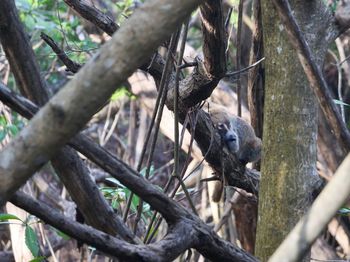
312, 69
19, 53
68, 111
206, 241
67, 164
327, 204
256, 74
71, 108
91, 13
214, 44
289, 133
195, 88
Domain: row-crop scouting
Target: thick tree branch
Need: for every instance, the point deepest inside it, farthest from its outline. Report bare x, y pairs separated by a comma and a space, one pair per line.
70, 109
207, 242
313, 73
94, 15
183, 235
249, 180
197, 87
167, 249
18, 50
214, 44
117, 168
69, 167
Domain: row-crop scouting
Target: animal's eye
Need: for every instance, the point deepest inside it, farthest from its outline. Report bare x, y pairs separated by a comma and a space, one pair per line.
221, 126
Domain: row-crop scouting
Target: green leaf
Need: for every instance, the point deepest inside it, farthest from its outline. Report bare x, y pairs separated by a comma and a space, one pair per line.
13, 129
135, 202
37, 259
4, 217
3, 121
344, 211
115, 203
3, 134
121, 93
31, 241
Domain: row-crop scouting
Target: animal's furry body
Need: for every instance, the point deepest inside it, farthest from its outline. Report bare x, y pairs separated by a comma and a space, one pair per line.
237, 134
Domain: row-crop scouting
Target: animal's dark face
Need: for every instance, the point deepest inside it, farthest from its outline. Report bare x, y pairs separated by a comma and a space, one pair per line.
229, 136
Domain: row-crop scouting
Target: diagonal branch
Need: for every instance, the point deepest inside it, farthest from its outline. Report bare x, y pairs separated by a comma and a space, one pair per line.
71, 65
18, 50
167, 249
206, 241
116, 167
91, 13
100, 156
69, 167
197, 87
70, 109
214, 44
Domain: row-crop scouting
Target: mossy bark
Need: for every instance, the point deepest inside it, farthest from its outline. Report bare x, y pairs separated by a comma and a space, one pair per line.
290, 126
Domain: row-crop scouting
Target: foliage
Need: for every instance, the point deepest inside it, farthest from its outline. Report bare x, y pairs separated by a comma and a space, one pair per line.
31, 238
121, 93
52, 18
119, 194
10, 128
345, 211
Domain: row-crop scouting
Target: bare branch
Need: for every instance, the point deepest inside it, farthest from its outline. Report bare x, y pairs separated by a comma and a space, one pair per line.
93, 15
198, 87
168, 248
170, 209
71, 108
246, 68
256, 75
20, 53
71, 65
69, 167
214, 44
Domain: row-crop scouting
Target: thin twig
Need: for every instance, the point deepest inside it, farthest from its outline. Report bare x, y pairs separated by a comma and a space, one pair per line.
150, 236
176, 118
188, 64
161, 91
228, 17
238, 57
163, 82
337, 64
70, 64
230, 74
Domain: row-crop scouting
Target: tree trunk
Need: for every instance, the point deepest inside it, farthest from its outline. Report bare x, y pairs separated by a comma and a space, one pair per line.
290, 126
